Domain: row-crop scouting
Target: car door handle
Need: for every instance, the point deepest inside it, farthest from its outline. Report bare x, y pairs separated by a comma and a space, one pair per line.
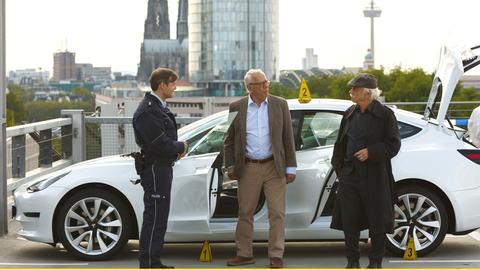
135, 181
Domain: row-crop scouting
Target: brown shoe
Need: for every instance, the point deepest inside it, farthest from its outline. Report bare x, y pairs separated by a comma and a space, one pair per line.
276, 262
239, 260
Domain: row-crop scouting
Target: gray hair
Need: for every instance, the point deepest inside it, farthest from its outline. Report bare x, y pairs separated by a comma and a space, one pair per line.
374, 93
248, 75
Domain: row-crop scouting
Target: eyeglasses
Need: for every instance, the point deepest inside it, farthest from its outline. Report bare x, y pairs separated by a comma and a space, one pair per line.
264, 83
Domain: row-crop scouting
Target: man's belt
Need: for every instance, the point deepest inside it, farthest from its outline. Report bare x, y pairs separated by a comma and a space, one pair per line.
258, 160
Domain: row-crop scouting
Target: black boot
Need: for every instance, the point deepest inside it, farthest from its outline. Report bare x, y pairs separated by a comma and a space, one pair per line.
353, 263
377, 263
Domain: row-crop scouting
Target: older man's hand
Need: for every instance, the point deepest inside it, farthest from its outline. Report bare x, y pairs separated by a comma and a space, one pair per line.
362, 155
290, 177
231, 174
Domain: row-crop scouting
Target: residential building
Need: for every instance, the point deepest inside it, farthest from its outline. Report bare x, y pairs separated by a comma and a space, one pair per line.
64, 66
29, 77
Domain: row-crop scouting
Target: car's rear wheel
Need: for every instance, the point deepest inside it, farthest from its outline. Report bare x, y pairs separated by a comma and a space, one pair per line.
422, 211
93, 224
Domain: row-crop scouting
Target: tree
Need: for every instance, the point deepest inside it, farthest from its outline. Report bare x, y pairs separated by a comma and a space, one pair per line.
83, 93
44, 110
16, 111
281, 90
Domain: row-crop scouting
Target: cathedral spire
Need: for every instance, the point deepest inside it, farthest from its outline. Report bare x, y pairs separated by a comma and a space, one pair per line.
157, 24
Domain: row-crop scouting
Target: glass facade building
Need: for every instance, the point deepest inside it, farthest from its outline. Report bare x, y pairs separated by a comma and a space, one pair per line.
227, 38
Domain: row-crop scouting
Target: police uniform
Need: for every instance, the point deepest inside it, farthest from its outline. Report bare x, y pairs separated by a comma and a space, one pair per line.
156, 134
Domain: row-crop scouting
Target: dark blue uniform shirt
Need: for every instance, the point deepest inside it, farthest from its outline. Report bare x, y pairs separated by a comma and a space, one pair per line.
156, 131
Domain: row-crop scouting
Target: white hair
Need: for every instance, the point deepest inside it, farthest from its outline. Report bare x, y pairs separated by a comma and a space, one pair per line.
248, 75
374, 93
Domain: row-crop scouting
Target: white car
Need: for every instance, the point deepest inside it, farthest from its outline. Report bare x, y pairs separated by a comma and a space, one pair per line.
93, 207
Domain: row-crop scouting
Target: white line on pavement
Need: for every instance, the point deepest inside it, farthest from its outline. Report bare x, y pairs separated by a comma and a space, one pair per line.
46, 264
435, 261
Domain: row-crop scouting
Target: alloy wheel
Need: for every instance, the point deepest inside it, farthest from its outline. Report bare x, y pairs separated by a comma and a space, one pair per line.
418, 214
93, 226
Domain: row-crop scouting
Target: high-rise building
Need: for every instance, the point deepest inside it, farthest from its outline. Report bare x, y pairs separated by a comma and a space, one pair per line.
157, 49
64, 66
310, 61
227, 38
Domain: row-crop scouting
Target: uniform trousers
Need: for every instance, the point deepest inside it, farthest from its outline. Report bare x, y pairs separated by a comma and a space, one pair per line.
353, 202
255, 177
156, 183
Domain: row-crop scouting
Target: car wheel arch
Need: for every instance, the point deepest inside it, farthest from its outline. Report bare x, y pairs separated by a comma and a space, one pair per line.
134, 232
429, 185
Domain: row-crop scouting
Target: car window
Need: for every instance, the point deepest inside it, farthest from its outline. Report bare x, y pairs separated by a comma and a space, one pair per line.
213, 140
319, 129
407, 130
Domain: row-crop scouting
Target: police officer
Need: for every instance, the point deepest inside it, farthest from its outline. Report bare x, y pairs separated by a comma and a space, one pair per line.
156, 134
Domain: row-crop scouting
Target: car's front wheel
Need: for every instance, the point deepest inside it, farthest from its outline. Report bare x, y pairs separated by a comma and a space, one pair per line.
93, 224
421, 211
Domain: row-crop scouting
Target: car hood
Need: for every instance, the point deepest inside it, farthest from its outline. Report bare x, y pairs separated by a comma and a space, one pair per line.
103, 161
454, 61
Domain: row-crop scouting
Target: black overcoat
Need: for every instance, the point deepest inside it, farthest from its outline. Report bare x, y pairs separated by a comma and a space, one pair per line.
383, 143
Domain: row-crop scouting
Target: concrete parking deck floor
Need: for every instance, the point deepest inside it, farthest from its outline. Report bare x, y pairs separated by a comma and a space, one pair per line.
455, 252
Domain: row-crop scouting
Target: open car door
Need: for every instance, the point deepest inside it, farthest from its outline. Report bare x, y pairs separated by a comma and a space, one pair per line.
193, 178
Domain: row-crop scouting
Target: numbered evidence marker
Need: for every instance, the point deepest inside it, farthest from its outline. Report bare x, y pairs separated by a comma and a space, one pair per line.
410, 253
304, 94
206, 255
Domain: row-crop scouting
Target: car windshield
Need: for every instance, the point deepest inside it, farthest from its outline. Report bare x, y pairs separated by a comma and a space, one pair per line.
201, 125
213, 141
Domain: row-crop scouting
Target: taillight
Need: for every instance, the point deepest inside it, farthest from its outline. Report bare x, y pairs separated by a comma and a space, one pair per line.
472, 154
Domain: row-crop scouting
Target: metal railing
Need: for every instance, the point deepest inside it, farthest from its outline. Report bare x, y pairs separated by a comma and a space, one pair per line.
39, 148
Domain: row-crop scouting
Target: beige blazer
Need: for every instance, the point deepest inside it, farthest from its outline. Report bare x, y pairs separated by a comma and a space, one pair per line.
281, 135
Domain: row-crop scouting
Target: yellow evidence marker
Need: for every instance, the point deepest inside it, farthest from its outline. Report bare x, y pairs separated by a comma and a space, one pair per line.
410, 252
303, 93
206, 255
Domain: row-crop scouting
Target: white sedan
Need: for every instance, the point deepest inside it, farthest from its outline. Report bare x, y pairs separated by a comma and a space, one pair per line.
93, 208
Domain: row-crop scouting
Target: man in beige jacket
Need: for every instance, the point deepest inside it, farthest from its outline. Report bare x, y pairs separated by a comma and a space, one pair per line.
260, 153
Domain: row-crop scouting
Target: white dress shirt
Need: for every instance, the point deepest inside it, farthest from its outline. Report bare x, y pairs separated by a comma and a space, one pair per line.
258, 143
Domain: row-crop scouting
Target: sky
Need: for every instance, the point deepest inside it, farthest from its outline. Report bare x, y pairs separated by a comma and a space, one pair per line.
409, 33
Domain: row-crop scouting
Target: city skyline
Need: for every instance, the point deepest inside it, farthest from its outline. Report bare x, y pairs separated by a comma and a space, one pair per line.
109, 33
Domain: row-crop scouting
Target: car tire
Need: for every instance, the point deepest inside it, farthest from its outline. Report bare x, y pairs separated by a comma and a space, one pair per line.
422, 210
93, 212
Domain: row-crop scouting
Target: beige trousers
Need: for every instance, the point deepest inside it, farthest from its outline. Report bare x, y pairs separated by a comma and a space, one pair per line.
255, 177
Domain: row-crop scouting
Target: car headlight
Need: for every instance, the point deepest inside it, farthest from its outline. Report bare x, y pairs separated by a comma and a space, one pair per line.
44, 183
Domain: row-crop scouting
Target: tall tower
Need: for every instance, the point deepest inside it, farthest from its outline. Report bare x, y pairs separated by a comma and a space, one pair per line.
182, 21
372, 12
157, 24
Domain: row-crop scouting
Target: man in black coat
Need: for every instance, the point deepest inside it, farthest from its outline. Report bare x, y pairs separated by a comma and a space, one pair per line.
156, 134
367, 140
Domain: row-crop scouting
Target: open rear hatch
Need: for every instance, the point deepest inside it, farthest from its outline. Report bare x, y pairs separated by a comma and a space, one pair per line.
454, 62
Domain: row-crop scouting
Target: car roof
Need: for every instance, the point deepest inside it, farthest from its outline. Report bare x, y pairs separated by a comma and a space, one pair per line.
342, 105
316, 103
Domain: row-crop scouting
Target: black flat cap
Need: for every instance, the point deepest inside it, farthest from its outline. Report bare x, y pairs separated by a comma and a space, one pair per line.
363, 80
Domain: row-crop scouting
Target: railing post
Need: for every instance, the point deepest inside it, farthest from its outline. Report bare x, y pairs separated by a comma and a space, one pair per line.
45, 144
18, 156
78, 134
3, 124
